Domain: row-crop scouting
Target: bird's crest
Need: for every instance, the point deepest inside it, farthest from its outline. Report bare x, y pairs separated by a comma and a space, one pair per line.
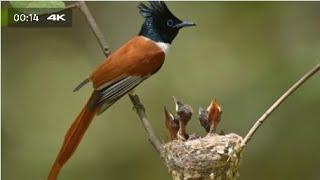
155, 8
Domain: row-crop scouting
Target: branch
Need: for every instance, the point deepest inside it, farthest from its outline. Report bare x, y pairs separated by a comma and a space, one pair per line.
146, 124
154, 140
71, 6
94, 27
276, 104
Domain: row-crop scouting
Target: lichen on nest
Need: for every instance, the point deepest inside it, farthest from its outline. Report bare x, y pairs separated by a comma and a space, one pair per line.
211, 157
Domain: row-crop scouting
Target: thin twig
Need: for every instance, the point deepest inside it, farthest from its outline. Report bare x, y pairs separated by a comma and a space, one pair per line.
94, 27
154, 140
276, 104
148, 127
71, 6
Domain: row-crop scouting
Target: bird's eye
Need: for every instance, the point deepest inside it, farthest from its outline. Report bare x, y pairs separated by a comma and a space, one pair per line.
170, 23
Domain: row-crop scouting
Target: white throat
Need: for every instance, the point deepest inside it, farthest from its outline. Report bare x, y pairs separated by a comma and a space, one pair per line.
164, 47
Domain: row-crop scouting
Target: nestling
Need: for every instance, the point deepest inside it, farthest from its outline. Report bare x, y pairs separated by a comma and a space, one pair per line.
172, 124
184, 111
210, 117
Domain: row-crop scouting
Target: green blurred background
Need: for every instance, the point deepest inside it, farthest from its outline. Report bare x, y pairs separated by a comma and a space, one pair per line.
245, 54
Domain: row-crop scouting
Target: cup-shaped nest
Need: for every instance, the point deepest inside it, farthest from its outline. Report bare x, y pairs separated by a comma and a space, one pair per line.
214, 157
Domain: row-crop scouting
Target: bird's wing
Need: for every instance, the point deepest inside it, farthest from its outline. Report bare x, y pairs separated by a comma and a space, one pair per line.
124, 70
138, 57
110, 94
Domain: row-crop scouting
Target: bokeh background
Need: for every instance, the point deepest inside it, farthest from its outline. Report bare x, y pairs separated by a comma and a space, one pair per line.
244, 53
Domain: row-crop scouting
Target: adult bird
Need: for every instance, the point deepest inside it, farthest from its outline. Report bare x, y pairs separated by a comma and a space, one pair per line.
122, 71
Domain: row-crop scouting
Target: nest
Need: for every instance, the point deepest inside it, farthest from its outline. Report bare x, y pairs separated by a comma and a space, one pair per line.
214, 157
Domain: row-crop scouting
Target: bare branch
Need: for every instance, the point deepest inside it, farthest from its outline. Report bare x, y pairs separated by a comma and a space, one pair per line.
276, 104
71, 6
154, 140
146, 124
94, 27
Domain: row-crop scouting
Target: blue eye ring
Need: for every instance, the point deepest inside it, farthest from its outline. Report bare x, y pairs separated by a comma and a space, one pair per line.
170, 23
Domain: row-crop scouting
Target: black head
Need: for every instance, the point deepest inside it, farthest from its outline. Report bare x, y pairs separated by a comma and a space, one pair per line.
160, 24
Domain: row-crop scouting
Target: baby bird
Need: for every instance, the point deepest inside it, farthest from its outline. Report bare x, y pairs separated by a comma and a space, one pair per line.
210, 117
184, 112
172, 124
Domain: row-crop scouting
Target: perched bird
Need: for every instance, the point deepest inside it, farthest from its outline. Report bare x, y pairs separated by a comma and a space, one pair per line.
184, 111
172, 124
210, 117
122, 71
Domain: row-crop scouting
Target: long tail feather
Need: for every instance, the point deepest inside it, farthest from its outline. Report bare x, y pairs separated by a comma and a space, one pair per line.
73, 138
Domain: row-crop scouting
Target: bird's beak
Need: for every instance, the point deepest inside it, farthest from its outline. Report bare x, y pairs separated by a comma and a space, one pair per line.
184, 24
175, 100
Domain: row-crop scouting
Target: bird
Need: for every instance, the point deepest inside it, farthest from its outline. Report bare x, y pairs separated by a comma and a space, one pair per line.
184, 112
203, 118
210, 117
127, 67
172, 124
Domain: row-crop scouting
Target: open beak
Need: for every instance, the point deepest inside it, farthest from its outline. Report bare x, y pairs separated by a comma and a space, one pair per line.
176, 102
185, 24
